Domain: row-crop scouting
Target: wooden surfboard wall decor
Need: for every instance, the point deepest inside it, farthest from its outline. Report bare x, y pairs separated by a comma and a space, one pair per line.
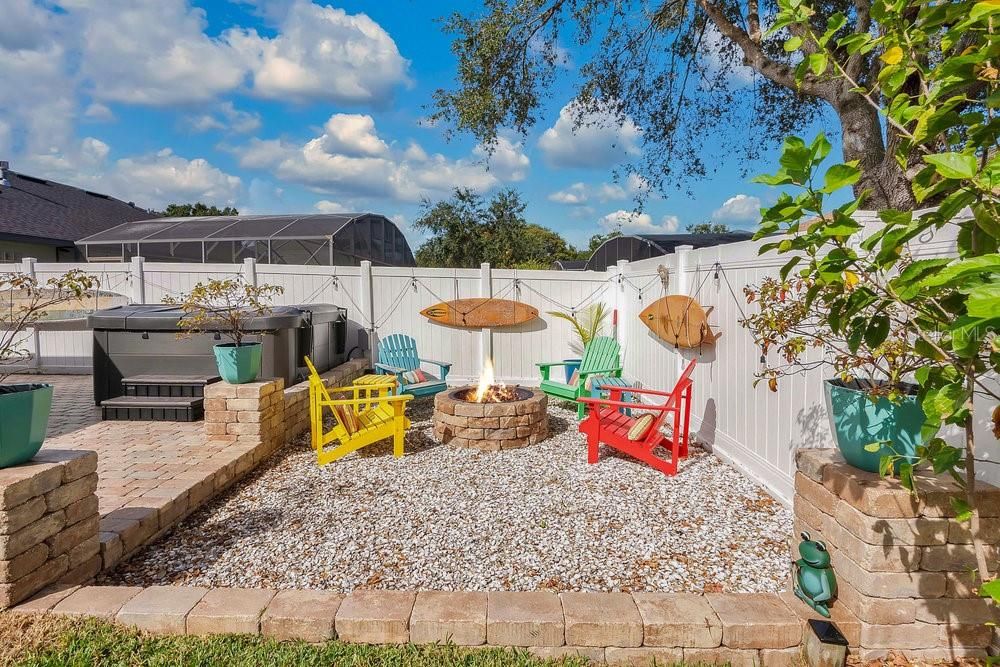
680, 321
480, 312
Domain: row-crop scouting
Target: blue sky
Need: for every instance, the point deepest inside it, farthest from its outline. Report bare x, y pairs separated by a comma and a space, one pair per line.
299, 106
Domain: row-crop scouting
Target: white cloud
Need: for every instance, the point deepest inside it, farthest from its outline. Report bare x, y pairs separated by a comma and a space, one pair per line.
99, 112
507, 160
574, 195
349, 159
353, 135
327, 206
154, 53
598, 140
580, 193
161, 178
226, 118
322, 53
741, 208
633, 222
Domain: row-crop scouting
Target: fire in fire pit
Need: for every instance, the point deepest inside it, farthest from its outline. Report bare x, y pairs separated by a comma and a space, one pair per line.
489, 390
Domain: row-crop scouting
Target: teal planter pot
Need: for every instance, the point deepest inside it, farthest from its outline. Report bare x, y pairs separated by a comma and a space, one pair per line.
857, 421
572, 366
238, 364
24, 418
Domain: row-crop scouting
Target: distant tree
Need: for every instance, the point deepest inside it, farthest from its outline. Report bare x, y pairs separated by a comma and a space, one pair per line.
544, 246
708, 228
196, 209
466, 231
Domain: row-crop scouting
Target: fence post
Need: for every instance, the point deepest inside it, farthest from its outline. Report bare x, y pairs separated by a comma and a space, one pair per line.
486, 334
619, 302
28, 269
682, 285
250, 270
138, 281
368, 308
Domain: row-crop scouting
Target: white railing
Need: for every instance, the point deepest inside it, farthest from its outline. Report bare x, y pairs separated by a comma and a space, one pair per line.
755, 429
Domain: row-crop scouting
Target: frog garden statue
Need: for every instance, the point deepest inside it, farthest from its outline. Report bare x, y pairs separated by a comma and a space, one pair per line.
815, 583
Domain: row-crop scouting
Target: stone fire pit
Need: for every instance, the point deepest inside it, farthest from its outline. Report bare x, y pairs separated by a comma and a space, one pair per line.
491, 427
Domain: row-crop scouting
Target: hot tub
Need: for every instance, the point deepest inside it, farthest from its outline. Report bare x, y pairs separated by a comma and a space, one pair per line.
141, 339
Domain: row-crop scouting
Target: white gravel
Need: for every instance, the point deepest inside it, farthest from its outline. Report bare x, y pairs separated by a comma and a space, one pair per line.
454, 519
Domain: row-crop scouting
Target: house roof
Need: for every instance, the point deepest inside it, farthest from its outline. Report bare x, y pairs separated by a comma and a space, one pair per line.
43, 211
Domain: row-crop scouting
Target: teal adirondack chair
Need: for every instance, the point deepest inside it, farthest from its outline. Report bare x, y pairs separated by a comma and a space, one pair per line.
397, 355
600, 358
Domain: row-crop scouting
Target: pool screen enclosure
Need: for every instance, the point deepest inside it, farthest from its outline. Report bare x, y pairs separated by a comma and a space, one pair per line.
325, 239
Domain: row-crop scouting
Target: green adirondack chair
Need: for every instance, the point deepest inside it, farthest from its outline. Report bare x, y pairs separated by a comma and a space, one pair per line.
600, 358
397, 355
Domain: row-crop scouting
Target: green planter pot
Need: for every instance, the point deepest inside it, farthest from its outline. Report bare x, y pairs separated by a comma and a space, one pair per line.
238, 364
24, 418
857, 421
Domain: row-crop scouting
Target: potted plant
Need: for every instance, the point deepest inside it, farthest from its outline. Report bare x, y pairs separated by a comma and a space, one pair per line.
25, 406
587, 325
873, 411
227, 307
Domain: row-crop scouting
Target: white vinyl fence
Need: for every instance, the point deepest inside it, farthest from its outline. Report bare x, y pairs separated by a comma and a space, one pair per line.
755, 429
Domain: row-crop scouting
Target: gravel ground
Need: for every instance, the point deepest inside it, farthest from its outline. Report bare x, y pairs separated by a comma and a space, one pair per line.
452, 519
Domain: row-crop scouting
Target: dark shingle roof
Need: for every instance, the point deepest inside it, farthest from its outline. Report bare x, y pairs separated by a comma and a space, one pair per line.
57, 213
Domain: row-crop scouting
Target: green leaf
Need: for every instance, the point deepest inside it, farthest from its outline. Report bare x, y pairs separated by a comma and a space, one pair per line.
839, 176
984, 300
906, 476
953, 165
961, 508
957, 273
793, 43
873, 447
877, 331
789, 265
817, 63
981, 9
991, 589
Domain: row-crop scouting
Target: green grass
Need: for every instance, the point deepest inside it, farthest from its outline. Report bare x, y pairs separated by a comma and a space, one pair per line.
52, 642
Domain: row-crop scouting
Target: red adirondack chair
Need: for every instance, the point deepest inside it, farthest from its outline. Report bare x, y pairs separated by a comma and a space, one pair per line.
605, 423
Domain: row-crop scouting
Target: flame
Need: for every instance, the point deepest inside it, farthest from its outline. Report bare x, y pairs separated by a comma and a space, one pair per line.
486, 380
489, 390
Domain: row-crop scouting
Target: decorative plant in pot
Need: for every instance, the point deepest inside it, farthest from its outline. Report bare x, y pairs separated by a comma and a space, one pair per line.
24, 407
227, 307
588, 324
873, 410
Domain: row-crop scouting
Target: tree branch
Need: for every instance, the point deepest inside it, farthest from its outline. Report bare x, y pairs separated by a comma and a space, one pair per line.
754, 56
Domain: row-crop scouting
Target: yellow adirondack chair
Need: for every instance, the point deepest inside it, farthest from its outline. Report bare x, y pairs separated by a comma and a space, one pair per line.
379, 416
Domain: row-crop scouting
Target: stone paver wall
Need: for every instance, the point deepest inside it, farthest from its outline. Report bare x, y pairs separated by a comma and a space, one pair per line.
902, 563
621, 628
48, 523
151, 475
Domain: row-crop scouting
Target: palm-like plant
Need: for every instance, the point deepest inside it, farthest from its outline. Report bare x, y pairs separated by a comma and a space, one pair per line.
588, 324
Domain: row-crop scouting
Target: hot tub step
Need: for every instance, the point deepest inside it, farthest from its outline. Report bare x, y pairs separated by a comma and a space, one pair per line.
153, 408
167, 385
